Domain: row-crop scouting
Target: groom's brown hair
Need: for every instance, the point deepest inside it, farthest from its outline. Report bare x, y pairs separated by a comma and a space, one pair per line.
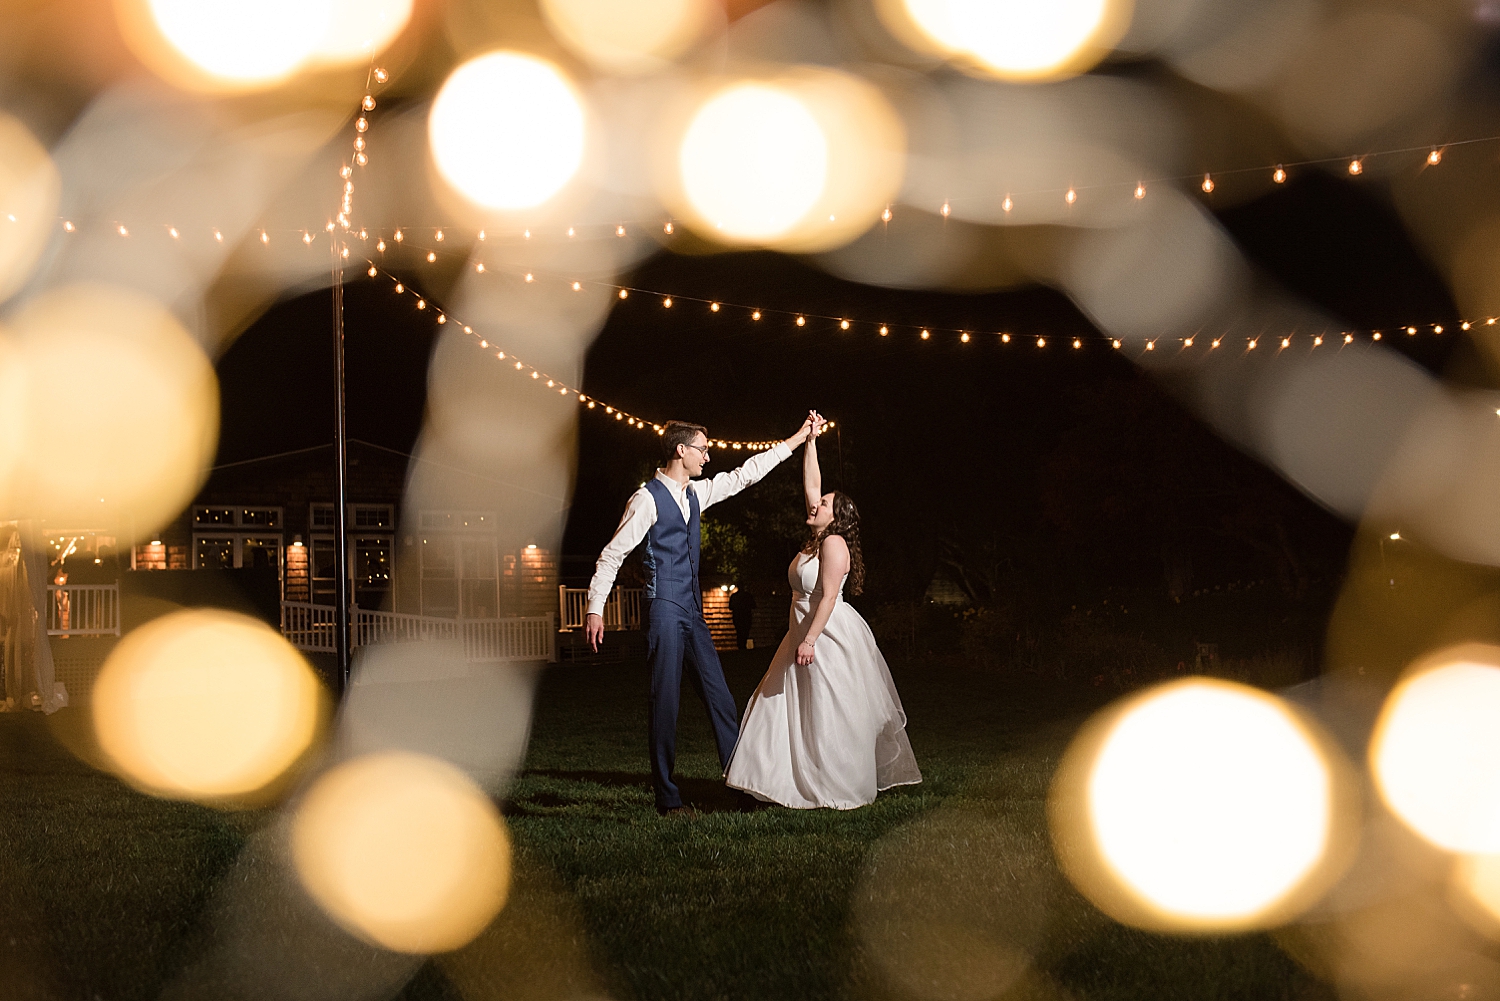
675, 433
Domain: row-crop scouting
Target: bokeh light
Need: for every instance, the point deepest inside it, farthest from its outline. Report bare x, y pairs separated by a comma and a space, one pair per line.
1436, 750
229, 44
204, 705
29, 192
507, 130
1200, 805
1012, 39
753, 162
627, 36
142, 387
403, 850
360, 29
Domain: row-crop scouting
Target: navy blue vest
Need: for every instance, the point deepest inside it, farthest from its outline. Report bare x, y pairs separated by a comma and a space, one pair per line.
672, 550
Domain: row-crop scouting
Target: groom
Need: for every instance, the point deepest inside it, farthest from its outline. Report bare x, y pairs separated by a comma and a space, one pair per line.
664, 512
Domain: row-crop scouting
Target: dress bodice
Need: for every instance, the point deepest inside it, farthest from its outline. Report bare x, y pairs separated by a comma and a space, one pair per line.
803, 576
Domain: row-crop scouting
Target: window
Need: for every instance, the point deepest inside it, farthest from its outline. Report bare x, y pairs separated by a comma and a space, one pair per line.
226, 552
360, 516
372, 570
227, 517
457, 565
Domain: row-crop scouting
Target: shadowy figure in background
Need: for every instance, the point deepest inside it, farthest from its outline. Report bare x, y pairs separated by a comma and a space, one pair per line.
742, 611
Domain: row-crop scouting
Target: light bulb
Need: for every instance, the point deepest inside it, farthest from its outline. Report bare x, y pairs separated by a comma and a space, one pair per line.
371, 272
1071, 196
431, 257
1278, 176
379, 245
1187, 343
381, 76
619, 231
479, 267
1005, 338
1355, 167
926, 334
1140, 191
1435, 157
946, 209
755, 315
1041, 342
964, 337
362, 123
1208, 184
529, 277
884, 330
667, 229
1286, 342
1348, 338
1007, 205
1150, 345
577, 287
368, 103
400, 236
1115, 344
400, 288
1077, 343
624, 293
439, 236
1375, 336
843, 324
421, 303
884, 217
1318, 341
801, 322
713, 307
667, 302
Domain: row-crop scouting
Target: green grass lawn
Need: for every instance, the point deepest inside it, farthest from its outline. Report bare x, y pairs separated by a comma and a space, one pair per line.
945, 890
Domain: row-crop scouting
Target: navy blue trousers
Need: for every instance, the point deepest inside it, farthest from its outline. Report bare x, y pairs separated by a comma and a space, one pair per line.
676, 636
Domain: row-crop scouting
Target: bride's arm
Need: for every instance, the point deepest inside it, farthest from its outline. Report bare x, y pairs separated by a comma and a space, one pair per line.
812, 477
833, 563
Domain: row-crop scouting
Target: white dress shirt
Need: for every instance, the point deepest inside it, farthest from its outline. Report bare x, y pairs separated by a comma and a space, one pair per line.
640, 513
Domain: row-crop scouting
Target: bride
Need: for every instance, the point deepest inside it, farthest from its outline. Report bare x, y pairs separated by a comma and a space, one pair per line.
825, 727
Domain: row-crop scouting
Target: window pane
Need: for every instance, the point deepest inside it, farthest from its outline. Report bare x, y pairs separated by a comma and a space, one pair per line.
214, 554
260, 553
213, 516
324, 560
372, 562
478, 558
440, 598
260, 517
437, 557
480, 599
322, 516
372, 516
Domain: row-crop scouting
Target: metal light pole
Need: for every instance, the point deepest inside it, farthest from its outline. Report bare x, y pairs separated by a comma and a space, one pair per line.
341, 450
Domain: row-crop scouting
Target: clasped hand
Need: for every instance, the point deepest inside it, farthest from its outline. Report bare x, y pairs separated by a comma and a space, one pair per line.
804, 653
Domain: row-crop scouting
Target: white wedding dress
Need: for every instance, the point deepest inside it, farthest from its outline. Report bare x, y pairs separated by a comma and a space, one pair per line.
832, 733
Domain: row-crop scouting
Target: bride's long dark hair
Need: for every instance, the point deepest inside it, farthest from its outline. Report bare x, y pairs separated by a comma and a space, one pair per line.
845, 525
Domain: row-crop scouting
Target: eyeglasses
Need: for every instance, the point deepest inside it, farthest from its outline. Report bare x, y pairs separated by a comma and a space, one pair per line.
701, 448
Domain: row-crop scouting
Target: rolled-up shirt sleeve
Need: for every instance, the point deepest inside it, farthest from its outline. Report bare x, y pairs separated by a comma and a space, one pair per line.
640, 515
749, 472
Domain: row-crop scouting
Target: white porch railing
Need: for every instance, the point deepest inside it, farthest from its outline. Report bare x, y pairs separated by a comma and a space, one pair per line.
621, 611
311, 627
83, 609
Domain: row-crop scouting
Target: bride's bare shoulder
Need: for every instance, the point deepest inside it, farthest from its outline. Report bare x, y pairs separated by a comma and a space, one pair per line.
834, 547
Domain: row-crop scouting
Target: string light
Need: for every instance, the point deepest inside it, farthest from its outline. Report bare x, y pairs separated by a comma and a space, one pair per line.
1005, 338
713, 307
1356, 168
755, 315
1318, 341
431, 257
1007, 205
381, 76
399, 237
368, 103
1216, 342
801, 321
1150, 345
372, 271
884, 330
946, 209
481, 236
1208, 184
380, 245
530, 277
68, 226
964, 337
1375, 336
570, 231
667, 229
1187, 343
843, 324
1077, 344
1348, 338
1041, 342
439, 236
619, 231
1286, 342
1140, 191
479, 267
926, 334
264, 236
1435, 157
667, 302
1115, 344
1278, 176
624, 293
1071, 196
885, 216
577, 286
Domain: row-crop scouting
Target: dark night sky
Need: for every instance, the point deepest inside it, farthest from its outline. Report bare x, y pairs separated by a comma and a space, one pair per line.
938, 440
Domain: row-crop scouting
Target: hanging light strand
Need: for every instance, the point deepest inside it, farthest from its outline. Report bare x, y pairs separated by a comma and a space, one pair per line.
541, 378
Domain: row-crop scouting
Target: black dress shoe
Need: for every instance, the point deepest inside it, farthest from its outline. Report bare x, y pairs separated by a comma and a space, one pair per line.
679, 812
